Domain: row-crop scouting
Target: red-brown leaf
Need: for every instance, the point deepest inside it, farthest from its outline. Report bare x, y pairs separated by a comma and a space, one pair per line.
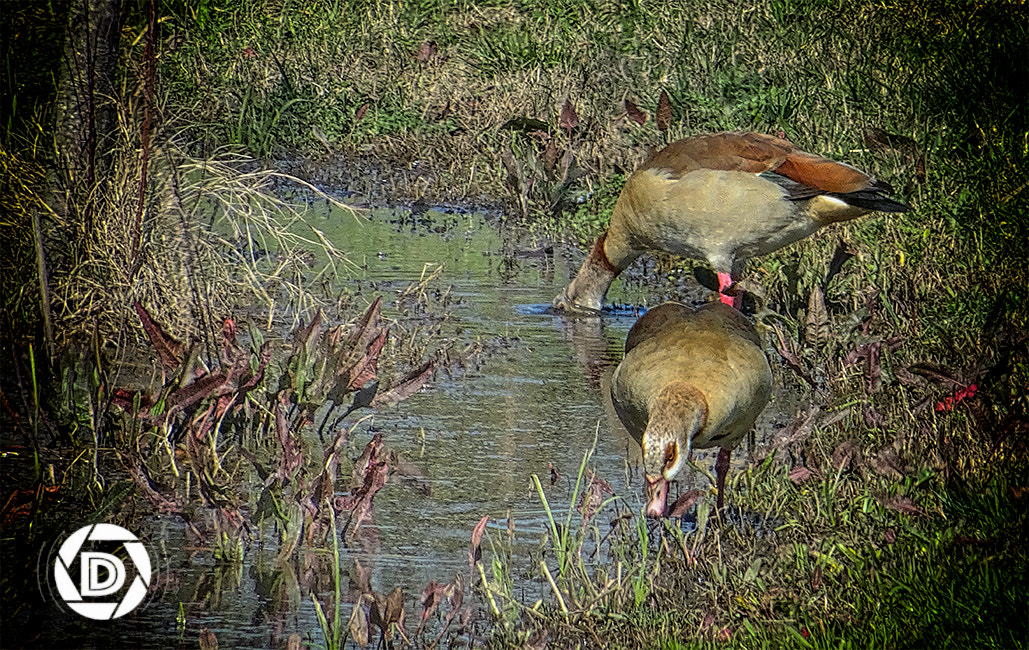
208, 641
206, 386
569, 118
359, 113
229, 332
799, 474
169, 349
474, 552
663, 118
358, 624
634, 112
367, 368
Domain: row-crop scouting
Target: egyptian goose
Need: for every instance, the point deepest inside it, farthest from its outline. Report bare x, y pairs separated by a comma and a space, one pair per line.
690, 378
723, 197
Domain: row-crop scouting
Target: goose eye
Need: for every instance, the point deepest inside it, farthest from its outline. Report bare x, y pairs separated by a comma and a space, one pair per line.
671, 454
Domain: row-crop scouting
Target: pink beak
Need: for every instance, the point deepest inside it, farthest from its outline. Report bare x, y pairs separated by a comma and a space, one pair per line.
657, 497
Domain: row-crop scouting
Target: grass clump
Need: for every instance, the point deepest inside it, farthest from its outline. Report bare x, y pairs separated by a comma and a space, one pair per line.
839, 561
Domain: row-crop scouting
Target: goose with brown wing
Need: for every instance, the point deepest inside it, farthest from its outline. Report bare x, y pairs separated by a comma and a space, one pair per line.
723, 198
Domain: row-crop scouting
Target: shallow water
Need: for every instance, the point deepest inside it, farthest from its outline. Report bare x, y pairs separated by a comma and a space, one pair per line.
469, 442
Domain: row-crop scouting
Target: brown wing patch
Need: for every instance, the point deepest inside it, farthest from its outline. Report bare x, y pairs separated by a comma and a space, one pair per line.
823, 174
746, 152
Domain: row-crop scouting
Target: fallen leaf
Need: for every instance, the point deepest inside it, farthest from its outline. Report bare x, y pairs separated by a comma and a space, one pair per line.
873, 418
816, 324
846, 455
425, 52
901, 504
634, 112
888, 464
707, 622
799, 474
663, 117
208, 641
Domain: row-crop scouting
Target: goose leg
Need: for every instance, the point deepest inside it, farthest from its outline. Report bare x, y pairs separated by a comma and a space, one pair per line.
724, 282
721, 469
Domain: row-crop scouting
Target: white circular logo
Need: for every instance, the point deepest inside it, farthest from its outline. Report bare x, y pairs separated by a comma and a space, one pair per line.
102, 574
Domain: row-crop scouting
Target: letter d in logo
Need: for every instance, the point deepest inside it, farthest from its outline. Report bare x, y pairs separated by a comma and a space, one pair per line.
91, 584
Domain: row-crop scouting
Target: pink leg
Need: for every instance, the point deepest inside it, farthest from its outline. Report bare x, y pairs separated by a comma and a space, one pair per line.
724, 282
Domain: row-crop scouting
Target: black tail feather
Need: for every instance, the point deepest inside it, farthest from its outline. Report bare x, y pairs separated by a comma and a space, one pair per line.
871, 200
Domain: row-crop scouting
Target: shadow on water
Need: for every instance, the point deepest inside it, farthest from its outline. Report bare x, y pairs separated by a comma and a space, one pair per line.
466, 444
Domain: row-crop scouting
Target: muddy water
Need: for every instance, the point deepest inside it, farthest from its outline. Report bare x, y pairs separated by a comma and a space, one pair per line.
467, 443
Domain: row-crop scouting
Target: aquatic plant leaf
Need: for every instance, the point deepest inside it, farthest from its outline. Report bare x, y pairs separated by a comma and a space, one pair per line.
366, 369
169, 349
376, 605
126, 399
432, 595
152, 491
634, 112
455, 595
407, 386
263, 357
569, 118
474, 552
368, 456
663, 116
393, 614
292, 454
192, 393
358, 624
208, 641
294, 642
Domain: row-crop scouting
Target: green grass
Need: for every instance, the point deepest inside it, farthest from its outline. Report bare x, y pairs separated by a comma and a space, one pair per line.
838, 570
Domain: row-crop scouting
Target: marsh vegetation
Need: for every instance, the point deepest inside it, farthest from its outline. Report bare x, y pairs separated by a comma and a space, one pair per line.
887, 507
